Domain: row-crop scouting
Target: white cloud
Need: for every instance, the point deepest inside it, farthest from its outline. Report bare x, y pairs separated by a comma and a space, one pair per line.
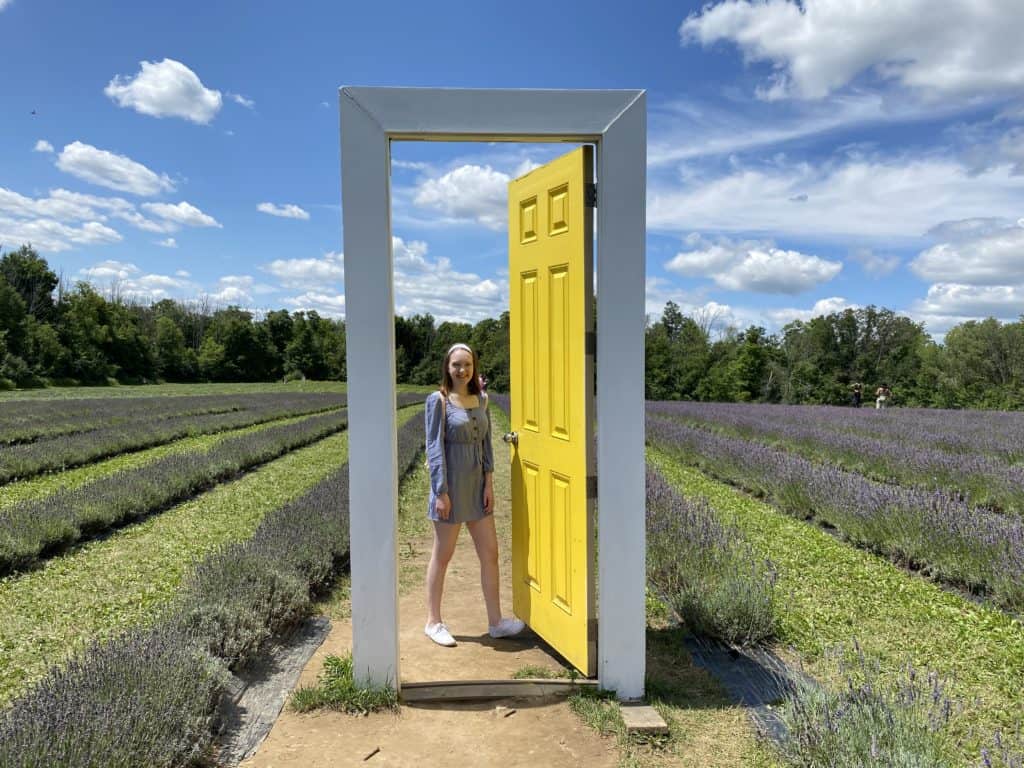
234, 289
956, 48
972, 301
169, 242
308, 273
97, 166
468, 193
43, 146
776, 318
424, 285
53, 236
324, 304
166, 89
5, 3
288, 211
183, 213
990, 258
240, 99
851, 199
127, 280
875, 264
752, 266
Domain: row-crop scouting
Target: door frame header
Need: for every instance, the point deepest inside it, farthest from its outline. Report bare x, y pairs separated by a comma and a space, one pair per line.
616, 122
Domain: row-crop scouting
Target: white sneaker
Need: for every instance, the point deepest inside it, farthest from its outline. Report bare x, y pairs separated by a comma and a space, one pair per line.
439, 634
507, 628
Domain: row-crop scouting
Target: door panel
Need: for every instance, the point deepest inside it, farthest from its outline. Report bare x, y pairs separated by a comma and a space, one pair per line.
551, 285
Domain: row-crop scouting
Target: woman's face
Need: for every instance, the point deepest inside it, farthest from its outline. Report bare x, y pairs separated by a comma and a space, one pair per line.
460, 367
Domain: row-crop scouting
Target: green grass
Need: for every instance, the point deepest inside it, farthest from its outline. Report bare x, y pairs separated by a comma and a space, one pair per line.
336, 689
125, 579
832, 593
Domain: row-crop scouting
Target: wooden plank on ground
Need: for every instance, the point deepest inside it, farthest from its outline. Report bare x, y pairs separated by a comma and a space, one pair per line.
480, 690
643, 719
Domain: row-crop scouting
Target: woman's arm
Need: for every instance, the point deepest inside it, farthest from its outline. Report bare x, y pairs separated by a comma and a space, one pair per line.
435, 444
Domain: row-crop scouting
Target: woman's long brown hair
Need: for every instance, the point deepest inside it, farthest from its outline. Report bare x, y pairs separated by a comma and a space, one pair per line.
446, 378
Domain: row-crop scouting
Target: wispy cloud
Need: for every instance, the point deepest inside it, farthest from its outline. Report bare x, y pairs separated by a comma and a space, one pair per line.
106, 169
287, 211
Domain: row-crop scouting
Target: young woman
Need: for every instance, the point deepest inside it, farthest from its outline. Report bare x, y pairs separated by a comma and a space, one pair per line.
461, 463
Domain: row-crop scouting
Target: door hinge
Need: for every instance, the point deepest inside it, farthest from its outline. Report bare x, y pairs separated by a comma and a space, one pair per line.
590, 343
591, 486
590, 195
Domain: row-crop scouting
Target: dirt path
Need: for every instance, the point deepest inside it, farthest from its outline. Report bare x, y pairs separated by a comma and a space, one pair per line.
539, 733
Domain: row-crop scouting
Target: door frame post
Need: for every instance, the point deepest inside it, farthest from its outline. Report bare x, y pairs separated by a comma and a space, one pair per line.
616, 122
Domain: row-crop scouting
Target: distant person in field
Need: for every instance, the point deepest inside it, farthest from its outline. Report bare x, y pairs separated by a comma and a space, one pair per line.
461, 464
483, 382
882, 396
857, 395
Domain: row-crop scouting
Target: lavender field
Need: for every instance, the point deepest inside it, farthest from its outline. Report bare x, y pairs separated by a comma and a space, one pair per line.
946, 500
191, 532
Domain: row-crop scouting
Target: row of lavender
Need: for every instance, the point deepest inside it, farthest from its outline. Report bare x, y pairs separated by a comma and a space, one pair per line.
985, 479
22, 421
998, 433
38, 527
934, 530
70, 450
149, 696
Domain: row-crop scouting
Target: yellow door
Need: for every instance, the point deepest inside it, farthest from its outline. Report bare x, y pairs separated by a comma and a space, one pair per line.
551, 318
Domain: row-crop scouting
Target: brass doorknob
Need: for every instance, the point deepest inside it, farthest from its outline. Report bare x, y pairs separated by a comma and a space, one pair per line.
512, 438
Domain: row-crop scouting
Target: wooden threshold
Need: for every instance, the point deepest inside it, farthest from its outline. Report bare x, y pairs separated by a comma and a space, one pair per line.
482, 690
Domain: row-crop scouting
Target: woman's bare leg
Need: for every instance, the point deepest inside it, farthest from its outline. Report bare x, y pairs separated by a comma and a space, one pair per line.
445, 537
486, 540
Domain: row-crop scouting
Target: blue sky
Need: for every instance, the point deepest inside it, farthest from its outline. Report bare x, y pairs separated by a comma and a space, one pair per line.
800, 159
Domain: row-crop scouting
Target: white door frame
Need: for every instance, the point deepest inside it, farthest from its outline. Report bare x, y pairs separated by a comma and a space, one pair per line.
616, 122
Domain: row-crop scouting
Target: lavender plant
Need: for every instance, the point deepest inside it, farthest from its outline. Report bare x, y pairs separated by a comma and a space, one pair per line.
868, 722
704, 569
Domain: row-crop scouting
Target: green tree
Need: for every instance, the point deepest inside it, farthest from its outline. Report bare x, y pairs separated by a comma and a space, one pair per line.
174, 360
30, 275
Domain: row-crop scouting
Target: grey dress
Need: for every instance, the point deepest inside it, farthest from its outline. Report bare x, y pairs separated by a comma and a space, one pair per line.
467, 455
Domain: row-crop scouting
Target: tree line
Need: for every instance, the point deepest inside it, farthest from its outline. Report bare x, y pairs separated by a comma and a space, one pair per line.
52, 333
818, 361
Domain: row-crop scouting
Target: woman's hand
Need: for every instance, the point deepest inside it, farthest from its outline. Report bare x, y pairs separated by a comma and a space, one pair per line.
443, 506
488, 493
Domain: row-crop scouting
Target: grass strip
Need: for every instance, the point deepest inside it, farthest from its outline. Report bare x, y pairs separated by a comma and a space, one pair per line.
836, 593
233, 602
37, 528
936, 532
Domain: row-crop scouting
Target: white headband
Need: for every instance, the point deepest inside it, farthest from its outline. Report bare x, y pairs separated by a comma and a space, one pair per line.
459, 345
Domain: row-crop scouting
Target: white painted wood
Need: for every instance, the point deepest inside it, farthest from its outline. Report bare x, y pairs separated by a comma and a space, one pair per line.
373, 461
492, 115
616, 122
621, 227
